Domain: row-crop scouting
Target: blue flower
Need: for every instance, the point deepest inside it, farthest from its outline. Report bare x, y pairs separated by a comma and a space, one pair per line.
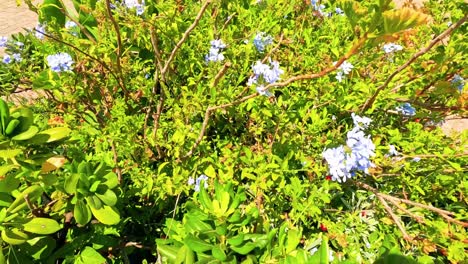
261, 41
345, 161
269, 74
261, 90
344, 69
338, 11
17, 57
198, 181
70, 24
361, 122
458, 82
39, 31
139, 5
6, 59
3, 41
392, 151
19, 44
392, 47
215, 51
60, 62
406, 109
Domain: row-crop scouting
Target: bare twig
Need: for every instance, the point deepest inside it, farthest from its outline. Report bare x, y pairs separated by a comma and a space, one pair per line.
444, 213
440, 37
64, 10
116, 161
184, 37
395, 218
221, 73
119, 46
418, 218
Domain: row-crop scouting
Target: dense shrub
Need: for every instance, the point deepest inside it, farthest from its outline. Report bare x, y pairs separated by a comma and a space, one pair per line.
235, 131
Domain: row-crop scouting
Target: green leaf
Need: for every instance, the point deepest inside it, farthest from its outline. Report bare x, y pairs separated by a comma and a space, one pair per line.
324, 251
108, 197
32, 193
106, 215
14, 236
184, 255
90, 255
50, 135
71, 183
196, 244
9, 183
38, 247
218, 253
402, 19
170, 252
42, 226
82, 213
293, 239
9, 153
50, 11
245, 249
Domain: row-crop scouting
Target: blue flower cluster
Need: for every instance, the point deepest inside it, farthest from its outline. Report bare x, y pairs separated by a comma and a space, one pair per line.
345, 161
139, 5
39, 31
60, 62
344, 69
215, 51
72, 28
197, 182
406, 109
7, 58
392, 47
261, 41
265, 74
458, 82
3, 42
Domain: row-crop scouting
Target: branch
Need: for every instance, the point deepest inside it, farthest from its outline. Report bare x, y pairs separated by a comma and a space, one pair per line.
221, 73
64, 10
185, 36
119, 46
395, 218
423, 51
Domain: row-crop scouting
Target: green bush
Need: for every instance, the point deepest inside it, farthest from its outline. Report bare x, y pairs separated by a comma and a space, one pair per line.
235, 131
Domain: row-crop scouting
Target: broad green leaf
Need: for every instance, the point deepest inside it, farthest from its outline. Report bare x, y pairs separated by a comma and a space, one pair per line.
32, 193
324, 254
218, 253
170, 252
14, 236
70, 183
50, 11
109, 197
196, 244
245, 249
9, 153
82, 213
90, 255
293, 239
50, 135
39, 247
9, 183
106, 215
42, 226
402, 19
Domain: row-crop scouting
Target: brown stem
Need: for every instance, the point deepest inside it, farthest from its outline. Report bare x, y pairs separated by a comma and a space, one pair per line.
395, 218
423, 51
418, 218
184, 37
221, 73
116, 161
82, 28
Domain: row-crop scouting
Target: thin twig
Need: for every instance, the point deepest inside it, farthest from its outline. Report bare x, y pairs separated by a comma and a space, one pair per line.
64, 10
423, 51
184, 37
221, 73
116, 161
119, 46
418, 218
395, 218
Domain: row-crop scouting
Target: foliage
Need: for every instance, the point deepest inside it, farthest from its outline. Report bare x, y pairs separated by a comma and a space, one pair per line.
188, 131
